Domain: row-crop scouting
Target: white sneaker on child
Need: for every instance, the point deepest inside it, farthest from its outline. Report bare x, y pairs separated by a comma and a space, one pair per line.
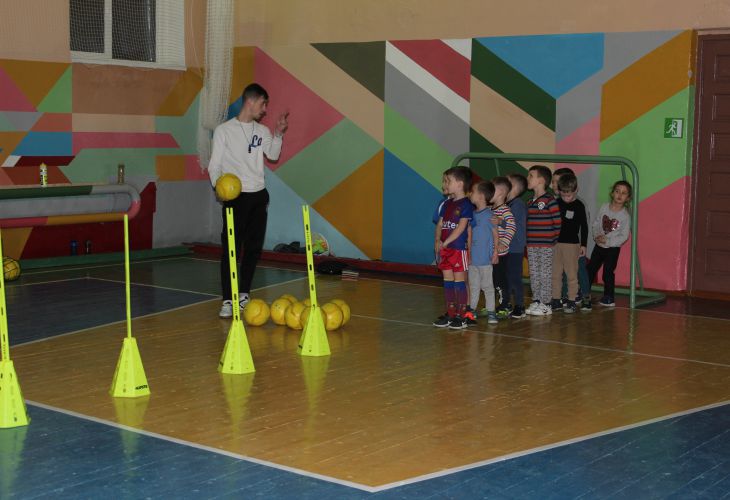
542, 310
532, 307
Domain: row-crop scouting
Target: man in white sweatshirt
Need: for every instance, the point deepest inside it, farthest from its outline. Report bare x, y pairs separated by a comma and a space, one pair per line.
239, 146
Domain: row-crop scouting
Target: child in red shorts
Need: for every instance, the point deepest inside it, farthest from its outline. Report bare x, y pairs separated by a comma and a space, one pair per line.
451, 246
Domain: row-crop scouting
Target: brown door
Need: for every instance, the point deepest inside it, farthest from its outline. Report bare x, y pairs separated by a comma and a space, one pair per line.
710, 265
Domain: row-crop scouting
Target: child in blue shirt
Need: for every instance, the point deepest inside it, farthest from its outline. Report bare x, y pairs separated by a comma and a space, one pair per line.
517, 245
483, 251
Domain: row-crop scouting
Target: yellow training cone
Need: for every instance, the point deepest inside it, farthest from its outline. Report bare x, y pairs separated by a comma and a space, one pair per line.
12, 405
313, 341
130, 380
236, 357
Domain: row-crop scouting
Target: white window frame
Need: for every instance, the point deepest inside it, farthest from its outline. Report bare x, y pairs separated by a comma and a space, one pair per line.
171, 26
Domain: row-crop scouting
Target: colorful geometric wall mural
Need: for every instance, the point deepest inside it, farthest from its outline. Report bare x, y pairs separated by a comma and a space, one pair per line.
373, 125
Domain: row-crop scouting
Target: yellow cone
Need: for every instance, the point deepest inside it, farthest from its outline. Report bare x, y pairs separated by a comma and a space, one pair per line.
130, 380
236, 357
12, 405
313, 341
12, 444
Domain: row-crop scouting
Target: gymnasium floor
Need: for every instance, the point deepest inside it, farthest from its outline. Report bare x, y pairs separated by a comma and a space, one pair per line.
613, 403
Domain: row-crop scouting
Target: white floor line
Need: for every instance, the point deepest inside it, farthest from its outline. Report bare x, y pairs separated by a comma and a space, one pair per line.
153, 286
78, 278
198, 446
257, 267
83, 268
104, 325
549, 341
669, 313
539, 449
278, 284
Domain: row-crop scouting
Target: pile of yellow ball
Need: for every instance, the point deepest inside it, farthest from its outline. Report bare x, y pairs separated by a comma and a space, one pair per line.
287, 310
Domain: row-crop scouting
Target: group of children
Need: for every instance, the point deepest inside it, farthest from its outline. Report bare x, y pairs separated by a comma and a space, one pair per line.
483, 229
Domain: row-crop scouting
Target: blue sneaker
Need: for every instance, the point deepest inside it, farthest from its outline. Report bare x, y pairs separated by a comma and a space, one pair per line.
492, 318
607, 301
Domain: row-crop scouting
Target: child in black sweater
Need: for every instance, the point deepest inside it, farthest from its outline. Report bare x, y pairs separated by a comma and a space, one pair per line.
571, 243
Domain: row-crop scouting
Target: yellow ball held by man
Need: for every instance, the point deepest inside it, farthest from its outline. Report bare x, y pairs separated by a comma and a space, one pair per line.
278, 310
227, 187
294, 316
256, 312
332, 316
11, 269
345, 310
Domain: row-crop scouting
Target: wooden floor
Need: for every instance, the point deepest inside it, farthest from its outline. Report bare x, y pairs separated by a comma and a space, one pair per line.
397, 401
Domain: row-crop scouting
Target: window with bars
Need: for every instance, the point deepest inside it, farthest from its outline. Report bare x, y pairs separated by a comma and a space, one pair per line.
129, 32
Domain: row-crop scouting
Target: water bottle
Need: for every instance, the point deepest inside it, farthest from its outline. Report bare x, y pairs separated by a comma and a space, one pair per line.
44, 175
88, 247
74, 247
120, 173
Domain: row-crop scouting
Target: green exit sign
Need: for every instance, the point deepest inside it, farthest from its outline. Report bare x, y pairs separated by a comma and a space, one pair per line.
673, 128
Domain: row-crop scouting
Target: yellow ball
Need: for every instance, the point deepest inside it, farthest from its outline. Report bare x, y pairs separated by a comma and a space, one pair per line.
11, 269
307, 302
289, 297
256, 312
294, 316
345, 310
228, 187
332, 316
278, 310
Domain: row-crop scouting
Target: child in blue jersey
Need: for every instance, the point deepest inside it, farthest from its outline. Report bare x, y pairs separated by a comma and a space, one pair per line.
451, 246
482, 251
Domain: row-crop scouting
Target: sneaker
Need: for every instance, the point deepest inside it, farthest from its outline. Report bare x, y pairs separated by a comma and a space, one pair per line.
535, 304
243, 300
442, 321
607, 301
518, 312
542, 310
226, 310
457, 323
556, 304
501, 313
569, 307
492, 318
586, 304
470, 317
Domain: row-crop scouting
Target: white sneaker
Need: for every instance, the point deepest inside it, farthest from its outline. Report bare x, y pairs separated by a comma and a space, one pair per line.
542, 310
243, 300
226, 310
532, 307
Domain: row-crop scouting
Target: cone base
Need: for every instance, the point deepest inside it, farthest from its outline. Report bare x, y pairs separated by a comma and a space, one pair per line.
313, 341
236, 358
130, 380
12, 404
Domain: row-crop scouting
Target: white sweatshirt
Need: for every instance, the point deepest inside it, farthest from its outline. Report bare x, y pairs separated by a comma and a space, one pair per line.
239, 149
615, 225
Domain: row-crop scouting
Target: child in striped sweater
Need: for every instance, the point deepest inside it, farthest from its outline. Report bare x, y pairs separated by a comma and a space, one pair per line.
543, 229
506, 229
